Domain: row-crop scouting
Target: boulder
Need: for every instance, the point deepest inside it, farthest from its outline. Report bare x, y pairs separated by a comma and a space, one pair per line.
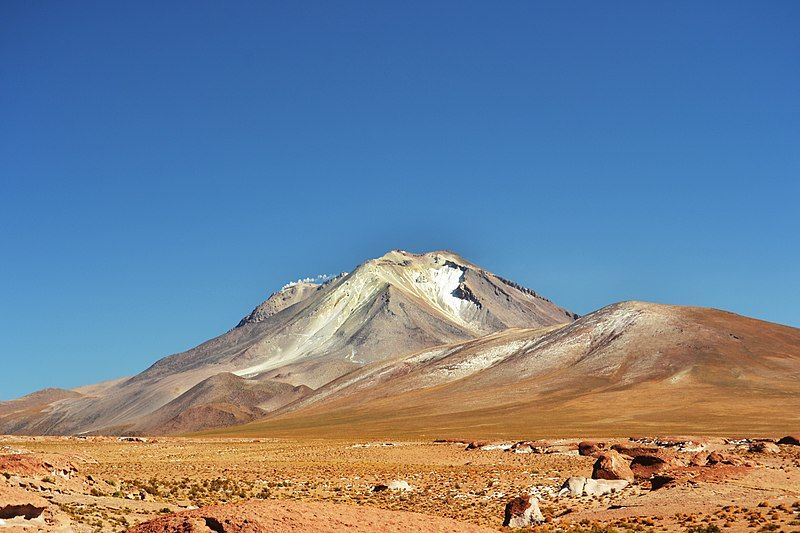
699, 459
573, 486
611, 465
523, 511
399, 484
581, 486
793, 440
717, 458
599, 487
765, 447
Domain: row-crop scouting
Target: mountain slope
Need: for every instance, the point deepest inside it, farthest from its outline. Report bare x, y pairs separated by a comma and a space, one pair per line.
277, 302
629, 367
221, 400
24, 414
309, 334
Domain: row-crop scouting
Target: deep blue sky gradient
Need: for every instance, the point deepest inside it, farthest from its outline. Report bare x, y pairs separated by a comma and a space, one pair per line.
164, 166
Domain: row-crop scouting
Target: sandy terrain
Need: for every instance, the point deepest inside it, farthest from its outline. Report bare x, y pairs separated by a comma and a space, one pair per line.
102, 484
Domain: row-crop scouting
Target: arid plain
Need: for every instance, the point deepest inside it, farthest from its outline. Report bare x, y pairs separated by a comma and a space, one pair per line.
110, 484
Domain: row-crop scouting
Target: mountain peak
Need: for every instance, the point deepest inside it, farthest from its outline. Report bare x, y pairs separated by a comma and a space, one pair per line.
436, 256
311, 333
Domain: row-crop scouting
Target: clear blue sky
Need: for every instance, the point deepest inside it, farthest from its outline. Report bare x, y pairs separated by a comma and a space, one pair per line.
164, 166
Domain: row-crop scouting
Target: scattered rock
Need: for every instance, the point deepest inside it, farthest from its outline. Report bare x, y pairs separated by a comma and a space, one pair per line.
611, 465
523, 511
502, 446
476, 444
793, 440
132, 439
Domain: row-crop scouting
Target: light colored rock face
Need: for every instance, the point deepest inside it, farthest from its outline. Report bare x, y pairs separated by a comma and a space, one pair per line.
399, 485
581, 486
599, 487
523, 512
611, 465
573, 486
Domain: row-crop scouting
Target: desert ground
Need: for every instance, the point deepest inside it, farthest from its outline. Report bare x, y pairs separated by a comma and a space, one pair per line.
260, 484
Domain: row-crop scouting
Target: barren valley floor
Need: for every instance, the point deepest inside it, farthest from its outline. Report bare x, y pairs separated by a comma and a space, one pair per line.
107, 484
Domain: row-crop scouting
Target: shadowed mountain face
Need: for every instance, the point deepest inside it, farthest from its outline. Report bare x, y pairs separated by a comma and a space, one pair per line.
306, 336
222, 400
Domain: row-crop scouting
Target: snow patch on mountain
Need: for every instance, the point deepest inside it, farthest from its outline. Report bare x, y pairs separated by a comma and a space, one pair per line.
446, 280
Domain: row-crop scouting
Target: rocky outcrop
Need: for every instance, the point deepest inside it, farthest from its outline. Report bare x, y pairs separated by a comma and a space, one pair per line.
764, 447
793, 440
611, 465
16, 503
522, 511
